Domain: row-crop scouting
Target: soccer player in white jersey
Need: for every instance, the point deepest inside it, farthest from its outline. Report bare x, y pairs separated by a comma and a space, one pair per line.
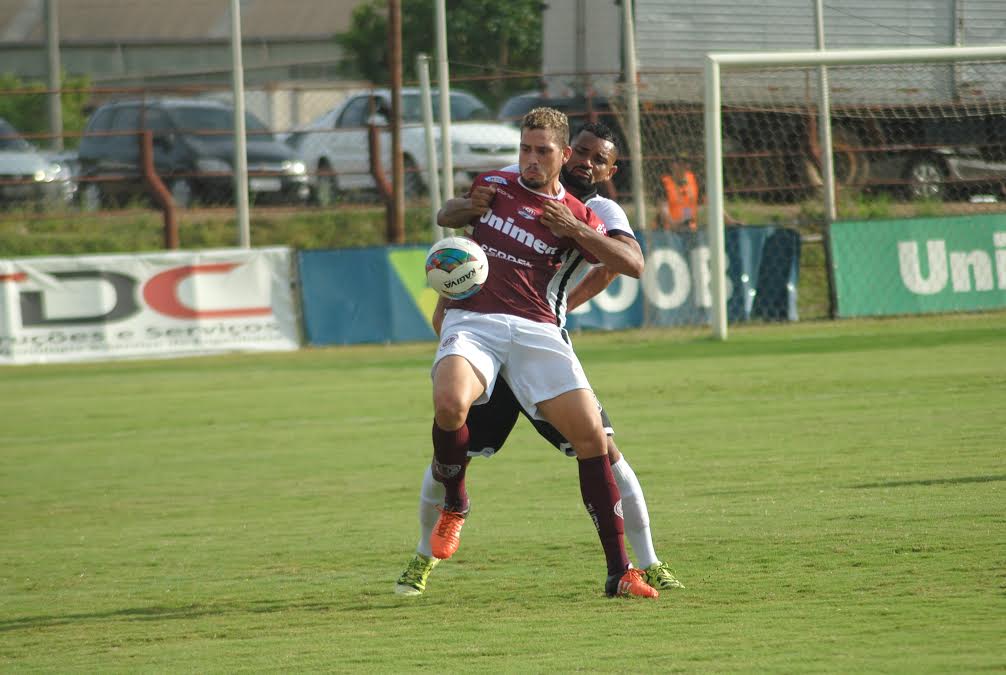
535, 232
594, 153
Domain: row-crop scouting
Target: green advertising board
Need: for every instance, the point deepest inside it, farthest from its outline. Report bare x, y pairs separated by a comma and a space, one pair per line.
919, 266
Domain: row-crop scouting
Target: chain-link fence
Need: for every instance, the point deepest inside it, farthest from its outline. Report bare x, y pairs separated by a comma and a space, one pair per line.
906, 140
323, 132
909, 141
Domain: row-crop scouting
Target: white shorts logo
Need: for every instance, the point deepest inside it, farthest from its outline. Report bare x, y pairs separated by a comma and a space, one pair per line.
448, 341
618, 509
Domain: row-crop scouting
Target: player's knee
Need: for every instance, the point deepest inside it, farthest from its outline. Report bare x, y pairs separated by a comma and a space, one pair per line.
592, 445
450, 410
588, 451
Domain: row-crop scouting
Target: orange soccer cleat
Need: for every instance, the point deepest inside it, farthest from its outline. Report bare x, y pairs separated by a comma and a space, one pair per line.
447, 534
632, 582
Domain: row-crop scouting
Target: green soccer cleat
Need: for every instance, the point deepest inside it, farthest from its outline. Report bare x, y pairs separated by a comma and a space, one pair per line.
413, 579
660, 576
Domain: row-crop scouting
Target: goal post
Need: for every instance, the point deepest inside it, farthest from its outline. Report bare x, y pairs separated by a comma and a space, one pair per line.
718, 64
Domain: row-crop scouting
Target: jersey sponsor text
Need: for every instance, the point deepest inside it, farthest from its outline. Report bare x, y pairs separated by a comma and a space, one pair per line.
509, 228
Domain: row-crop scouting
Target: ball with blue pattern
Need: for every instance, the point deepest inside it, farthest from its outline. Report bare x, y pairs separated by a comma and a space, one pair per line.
456, 268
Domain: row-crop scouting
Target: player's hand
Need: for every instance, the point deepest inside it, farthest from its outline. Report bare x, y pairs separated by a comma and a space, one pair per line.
482, 197
557, 217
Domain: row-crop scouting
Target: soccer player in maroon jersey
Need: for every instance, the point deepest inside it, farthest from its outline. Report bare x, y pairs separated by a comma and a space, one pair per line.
532, 230
591, 163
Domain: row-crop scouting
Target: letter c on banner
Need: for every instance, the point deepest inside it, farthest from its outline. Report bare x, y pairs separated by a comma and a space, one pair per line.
161, 293
681, 282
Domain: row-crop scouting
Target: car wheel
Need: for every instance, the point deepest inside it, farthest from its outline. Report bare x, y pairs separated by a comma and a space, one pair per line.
182, 193
925, 179
91, 198
325, 189
852, 168
414, 186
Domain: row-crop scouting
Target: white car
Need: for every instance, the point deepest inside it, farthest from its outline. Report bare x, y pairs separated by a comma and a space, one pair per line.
335, 146
29, 176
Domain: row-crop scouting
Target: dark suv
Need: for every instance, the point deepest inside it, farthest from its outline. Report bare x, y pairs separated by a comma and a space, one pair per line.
193, 153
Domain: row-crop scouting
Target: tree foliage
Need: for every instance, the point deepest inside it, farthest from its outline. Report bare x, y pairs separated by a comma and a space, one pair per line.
490, 44
24, 104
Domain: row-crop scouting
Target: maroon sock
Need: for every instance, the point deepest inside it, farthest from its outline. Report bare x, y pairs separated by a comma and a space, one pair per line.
450, 459
604, 504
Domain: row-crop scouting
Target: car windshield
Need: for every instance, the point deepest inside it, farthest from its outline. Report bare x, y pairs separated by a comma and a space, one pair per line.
464, 107
518, 106
214, 119
10, 139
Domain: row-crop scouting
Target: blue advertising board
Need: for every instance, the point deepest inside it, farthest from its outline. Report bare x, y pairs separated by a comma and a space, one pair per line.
763, 266
380, 295
351, 296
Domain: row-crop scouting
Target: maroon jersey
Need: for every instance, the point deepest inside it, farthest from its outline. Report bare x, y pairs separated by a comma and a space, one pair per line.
528, 265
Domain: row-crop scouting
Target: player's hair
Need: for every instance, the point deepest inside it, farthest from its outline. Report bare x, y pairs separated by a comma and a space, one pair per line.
549, 119
602, 131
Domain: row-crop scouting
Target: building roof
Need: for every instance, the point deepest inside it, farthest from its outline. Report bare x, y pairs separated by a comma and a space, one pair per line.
174, 20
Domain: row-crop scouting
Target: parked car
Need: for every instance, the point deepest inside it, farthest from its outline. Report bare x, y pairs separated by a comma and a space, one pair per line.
939, 158
336, 151
579, 110
30, 176
193, 154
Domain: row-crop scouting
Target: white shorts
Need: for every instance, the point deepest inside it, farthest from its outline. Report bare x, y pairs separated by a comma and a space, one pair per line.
537, 362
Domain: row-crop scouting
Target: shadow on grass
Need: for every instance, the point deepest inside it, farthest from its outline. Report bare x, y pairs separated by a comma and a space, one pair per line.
157, 613
933, 481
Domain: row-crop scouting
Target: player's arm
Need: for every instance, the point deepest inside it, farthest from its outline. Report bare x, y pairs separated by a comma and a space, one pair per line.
613, 252
438, 314
459, 211
597, 279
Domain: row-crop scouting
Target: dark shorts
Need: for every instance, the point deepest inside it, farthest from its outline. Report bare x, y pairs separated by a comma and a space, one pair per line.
490, 424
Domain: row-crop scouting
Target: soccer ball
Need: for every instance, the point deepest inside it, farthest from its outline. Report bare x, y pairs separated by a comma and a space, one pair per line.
456, 267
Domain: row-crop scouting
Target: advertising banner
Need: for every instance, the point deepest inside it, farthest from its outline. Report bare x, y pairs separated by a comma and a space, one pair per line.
366, 295
763, 267
919, 266
380, 294
78, 308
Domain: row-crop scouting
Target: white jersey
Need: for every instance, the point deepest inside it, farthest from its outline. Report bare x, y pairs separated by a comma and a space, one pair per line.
615, 221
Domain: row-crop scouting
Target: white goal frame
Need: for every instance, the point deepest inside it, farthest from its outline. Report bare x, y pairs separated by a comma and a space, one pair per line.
716, 62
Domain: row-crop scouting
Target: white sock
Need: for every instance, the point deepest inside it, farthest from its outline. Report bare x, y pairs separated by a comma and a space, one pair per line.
430, 497
634, 513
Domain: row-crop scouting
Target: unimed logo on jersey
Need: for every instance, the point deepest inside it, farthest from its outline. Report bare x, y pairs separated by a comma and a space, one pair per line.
517, 233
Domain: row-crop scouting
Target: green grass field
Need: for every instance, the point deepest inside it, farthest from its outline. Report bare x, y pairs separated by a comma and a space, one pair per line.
831, 494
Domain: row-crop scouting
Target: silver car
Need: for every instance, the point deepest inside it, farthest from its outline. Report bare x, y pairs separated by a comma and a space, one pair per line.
30, 177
